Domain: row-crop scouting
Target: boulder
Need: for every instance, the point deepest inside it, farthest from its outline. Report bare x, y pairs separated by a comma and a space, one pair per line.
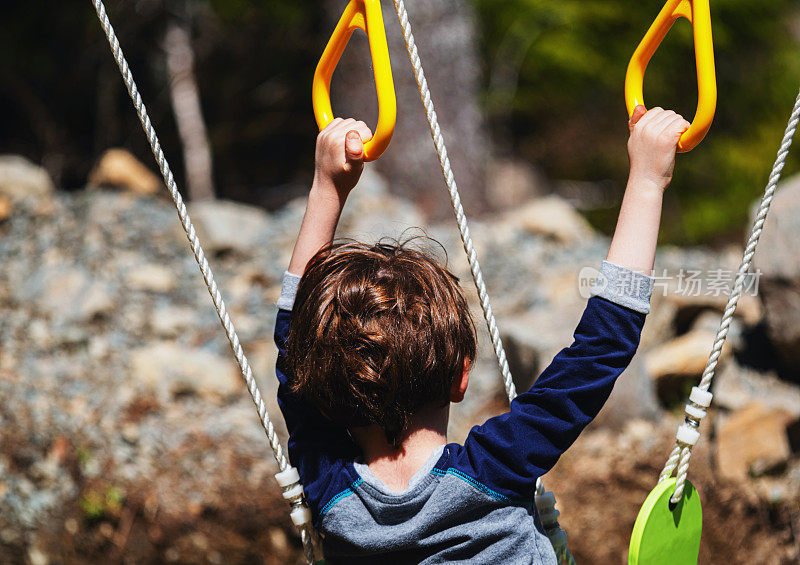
686, 307
152, 278
523, 359
683, 356
171, 321
633, 398
512, 183
748, 309
6, 208
554, 218
753, 441
372, 212
20, 179
736, 386
225, 226
660, 325
532, 340
120, 169
779, 280
679, 361
68, 294
171, 370
709, 320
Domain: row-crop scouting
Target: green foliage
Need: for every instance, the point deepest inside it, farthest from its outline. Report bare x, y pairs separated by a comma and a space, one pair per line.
555, 74
554, 79
102, 502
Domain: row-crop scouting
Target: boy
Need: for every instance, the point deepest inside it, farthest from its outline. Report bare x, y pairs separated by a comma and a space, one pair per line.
376, 341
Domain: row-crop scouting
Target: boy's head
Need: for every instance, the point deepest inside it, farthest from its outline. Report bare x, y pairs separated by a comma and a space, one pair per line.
379, 333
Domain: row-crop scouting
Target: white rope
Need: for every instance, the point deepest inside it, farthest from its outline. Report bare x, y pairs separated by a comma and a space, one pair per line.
682, 452
306, 533
463, 228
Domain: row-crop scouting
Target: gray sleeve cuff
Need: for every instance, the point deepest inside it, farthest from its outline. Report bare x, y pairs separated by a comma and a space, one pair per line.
622, 286
288, 290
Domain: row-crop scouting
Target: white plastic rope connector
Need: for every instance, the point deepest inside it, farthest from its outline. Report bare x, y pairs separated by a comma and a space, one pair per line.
287, 477
700, 399
301, 516
687, 435
289, 481
292, 490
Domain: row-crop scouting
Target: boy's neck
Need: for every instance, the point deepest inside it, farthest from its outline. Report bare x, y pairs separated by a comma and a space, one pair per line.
395, 466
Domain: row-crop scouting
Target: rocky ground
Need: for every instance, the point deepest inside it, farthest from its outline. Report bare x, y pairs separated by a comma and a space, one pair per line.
127, 436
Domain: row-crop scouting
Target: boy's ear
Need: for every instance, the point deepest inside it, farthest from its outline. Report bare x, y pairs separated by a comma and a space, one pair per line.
459, 386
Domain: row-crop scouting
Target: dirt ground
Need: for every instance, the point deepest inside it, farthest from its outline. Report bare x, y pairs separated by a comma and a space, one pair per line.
600, 484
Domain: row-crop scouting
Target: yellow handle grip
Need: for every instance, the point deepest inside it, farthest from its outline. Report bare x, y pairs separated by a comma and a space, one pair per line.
699, 14
365, 15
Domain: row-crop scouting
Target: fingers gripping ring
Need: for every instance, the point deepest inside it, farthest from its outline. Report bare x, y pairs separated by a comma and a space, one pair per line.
699, 14
367, 16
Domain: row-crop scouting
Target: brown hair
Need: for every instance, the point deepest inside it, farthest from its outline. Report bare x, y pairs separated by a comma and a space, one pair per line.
378, 333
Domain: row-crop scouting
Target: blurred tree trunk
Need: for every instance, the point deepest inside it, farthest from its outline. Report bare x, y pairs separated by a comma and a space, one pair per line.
185, 98
445, 33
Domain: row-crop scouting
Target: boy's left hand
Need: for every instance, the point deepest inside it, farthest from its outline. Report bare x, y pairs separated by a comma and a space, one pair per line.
652, 145
340, 154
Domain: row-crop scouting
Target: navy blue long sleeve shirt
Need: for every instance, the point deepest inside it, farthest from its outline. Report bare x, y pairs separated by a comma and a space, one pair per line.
472, 502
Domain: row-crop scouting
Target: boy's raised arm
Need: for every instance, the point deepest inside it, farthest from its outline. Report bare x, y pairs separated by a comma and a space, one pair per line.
651, 149
510, 451
316, 446
339, 162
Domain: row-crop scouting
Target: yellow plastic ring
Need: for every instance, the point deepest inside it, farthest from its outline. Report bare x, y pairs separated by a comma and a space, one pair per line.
367, 16
698, 13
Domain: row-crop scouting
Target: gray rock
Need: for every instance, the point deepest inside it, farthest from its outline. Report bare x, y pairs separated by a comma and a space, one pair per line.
152, 278
709, 321
779, 283
551, 217
170, 321
541, 332
172, 371
633, 398
735, 387
119, 168
676, 364
225, 226
68, 294
523, 359
21, 180
512, 183
684, 356
373, 213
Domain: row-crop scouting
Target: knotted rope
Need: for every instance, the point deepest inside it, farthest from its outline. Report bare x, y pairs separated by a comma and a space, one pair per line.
555, 533
297, 501
700, 399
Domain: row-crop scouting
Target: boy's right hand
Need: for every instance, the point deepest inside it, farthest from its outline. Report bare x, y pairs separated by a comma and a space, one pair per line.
652, 145
340, 155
